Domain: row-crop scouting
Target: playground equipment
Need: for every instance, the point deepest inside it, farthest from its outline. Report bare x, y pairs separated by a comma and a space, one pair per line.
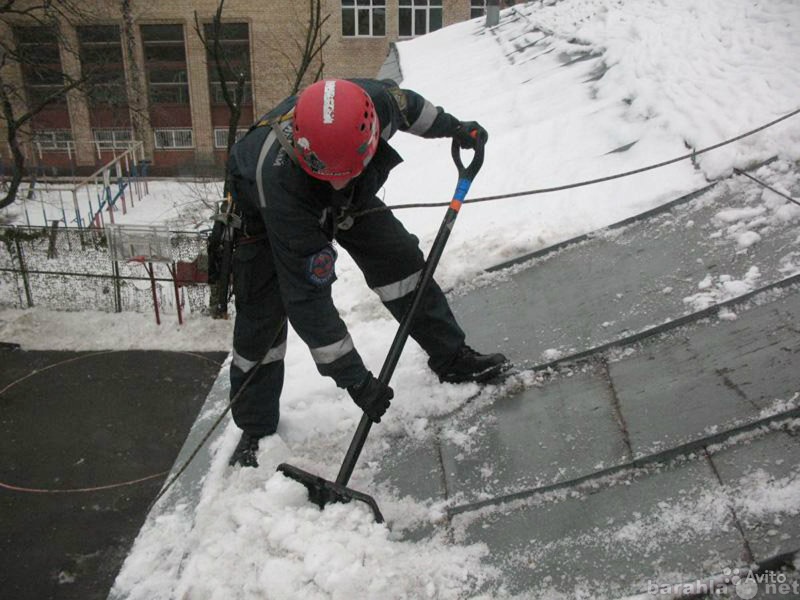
118, 184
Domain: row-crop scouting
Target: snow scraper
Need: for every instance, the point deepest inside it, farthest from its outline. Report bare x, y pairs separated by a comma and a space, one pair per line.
320, 490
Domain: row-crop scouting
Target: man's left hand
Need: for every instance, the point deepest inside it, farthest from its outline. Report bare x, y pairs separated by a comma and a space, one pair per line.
469, 134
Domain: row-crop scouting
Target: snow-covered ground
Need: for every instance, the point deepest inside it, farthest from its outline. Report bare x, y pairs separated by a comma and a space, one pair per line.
186, 205
675, 75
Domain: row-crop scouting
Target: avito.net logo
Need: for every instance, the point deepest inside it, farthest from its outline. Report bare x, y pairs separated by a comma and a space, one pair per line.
745, 582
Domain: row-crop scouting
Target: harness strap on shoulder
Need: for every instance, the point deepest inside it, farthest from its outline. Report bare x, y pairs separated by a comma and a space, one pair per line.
277, 128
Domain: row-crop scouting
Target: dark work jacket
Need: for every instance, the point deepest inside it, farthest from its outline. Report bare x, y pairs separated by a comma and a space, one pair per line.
300, 214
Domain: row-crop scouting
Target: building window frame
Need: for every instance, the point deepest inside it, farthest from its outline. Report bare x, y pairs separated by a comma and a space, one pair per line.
166, 63
477, 8
173, 138
234, 39
221, 137
102, 63
363, 18
40, 62
419, 17
58, 140
113, 138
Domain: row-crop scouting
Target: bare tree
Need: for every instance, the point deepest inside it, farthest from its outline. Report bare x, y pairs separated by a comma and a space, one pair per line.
42, 13
212, 40
139, 115
311, 50
305, 56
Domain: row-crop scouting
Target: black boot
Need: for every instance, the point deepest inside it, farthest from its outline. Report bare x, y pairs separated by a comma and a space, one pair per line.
468, 365
246, 451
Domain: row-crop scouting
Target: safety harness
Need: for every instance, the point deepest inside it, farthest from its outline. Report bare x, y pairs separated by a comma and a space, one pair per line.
280, 134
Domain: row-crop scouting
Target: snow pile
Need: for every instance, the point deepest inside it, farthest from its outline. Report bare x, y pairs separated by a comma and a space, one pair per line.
254, 532
721, 288
764, 212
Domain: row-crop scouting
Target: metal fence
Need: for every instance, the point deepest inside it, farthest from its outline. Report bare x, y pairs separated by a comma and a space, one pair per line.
71, 269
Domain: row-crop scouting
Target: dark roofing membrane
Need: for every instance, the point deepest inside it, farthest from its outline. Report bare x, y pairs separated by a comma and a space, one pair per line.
612, 465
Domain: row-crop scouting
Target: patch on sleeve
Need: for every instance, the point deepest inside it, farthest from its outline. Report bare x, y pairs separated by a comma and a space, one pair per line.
399, 97
321, 266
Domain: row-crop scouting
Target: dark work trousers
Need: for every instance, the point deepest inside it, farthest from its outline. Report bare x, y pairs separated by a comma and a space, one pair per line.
391, 261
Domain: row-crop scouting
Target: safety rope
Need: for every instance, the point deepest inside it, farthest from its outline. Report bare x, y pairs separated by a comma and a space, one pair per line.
783, 419
250, 376
99, 488
560, 188
206, 437
769, 187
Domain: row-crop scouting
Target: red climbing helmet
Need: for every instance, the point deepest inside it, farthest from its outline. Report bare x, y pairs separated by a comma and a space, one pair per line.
335, 130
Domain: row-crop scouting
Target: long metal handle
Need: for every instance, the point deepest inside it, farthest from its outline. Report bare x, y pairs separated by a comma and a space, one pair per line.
465, 177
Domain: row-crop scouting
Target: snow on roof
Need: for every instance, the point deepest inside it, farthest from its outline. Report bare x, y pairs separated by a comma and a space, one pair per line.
568, 90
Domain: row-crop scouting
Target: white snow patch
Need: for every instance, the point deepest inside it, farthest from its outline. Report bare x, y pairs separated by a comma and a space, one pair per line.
759, 495
722, 288
552, 354
747, 239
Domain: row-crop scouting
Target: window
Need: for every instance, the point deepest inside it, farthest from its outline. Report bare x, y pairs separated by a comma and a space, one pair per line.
113, 138
234, 41
40, 60
418, 17
218, 98
165, 62
169, 139
53, 139
477, 8
102, 64
221, 137
363, 18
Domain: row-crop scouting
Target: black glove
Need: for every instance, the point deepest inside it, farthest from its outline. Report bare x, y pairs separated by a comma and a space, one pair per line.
469, 134
372, 397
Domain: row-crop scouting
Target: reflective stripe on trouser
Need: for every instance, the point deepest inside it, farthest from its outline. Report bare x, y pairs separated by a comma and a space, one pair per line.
398, 289
274, 354
392, 262
259, 335
257, 410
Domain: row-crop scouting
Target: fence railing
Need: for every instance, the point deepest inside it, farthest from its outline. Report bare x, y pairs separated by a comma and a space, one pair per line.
72, 269
37, 149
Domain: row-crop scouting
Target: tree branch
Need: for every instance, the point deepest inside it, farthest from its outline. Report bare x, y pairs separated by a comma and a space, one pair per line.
32, 112
19, 158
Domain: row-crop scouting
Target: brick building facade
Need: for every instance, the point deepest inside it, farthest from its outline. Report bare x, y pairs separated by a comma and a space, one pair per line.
153, 81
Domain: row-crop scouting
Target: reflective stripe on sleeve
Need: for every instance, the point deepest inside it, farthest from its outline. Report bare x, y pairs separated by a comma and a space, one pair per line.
398, 289
274, 355
324, 355
425, 119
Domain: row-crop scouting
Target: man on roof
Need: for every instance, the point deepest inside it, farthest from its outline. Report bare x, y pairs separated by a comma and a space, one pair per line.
298, 177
